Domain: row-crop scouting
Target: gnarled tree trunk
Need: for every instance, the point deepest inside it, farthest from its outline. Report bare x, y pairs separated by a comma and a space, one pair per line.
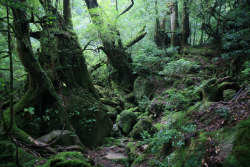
116, 52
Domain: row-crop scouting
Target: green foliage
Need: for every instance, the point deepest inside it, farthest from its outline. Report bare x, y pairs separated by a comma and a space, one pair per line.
181, 66
167, 135
87, 120
241, 149
180, 99
224, 112
30, 110
144, 102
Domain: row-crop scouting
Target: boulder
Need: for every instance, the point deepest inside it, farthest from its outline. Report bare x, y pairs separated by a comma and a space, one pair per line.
126, 121
144, 124
142, 87
89, 119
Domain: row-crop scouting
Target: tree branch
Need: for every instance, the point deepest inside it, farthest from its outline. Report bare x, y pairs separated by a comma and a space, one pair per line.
127, 9
6, 31
4, 69
140, 35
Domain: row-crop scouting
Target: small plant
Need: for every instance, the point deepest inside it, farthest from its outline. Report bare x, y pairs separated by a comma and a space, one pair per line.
30, 110
224, 112
144, 103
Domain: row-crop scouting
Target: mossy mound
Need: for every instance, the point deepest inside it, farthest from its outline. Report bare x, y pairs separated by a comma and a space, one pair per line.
144, 124
67, 159
126, 121
241, 148
202, 51
142, 87
89, 119
8, 155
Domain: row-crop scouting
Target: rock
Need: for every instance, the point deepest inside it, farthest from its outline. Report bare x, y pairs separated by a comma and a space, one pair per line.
112, 112
114, 156
142, 87
126, 121
144, 124
89, 119
66, 138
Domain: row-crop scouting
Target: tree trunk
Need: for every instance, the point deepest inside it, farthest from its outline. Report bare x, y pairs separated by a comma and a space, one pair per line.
40, 91
116, 52
64, 65
61, 54
174, 23
185, 30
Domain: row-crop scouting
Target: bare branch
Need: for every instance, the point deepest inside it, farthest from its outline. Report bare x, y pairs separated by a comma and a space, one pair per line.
127, 9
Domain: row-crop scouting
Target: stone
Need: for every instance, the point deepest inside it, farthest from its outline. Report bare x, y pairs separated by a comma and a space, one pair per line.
142, 87
144, 124
126, 121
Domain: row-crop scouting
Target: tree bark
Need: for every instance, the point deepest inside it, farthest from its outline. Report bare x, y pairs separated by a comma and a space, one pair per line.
185, 30
174, 23
160, 37
61, 54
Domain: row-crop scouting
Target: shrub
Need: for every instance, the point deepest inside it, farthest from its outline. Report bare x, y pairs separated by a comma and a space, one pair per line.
181, 66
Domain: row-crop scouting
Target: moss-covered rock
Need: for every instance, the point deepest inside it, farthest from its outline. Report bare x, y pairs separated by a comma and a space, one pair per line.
67, 159
89, 119
241, 148
126, 121
142, 87
144, 124
8, 155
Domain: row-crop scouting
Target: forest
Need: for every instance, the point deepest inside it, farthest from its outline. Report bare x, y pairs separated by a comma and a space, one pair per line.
124, 83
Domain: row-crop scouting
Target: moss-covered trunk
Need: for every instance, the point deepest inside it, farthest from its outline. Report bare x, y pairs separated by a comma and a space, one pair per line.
116, 52
185, 30
61, 54
40, 92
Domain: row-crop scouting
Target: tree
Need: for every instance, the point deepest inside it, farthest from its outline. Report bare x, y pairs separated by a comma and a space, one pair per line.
61, 68
185, 30
160, 37
173, 5
113, 47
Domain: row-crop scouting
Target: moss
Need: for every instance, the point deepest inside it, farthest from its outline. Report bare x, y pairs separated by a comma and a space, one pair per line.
200, 51
8, 155
123, 161
131, 149
89, 119
139, 160
241, 149
127, 120
142, 87
144, 124
189, 82
66, 159
176, 120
